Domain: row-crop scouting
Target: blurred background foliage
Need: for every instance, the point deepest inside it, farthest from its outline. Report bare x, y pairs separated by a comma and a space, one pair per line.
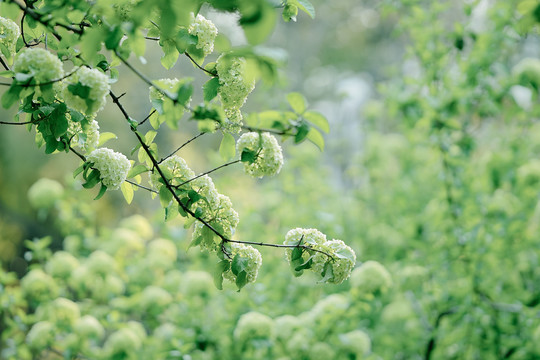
431, 169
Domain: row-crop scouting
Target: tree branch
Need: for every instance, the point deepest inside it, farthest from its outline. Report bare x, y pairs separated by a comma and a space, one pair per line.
170, 188
208, 172
181, 146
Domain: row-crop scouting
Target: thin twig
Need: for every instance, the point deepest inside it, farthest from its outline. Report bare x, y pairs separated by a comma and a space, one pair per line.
146, 118
181, 146
16, 123
207, 172
199, 66
181, 204
272, 131
28, 84
141, 186
37, 16
4, 64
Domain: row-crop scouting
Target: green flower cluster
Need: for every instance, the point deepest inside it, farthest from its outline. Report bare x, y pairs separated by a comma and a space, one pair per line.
371, 278
254, 261
44, 193
235, 86
113, 166
268, 155
254, 325
9, 33
42, 65
331, 260
85, 136
205, 31
86, 90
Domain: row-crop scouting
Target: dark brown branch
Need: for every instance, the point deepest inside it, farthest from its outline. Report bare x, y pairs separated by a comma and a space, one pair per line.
4, 64
146, 118
170, 187
16, 123
181, 146
38, 17
207, 172
271, 131
199, 66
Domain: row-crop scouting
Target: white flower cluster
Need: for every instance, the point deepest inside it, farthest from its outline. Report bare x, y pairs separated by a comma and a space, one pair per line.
98, 84
170, 85
44, 193
9, 33
235, 86
205, 31
113, 166
40, 63
254, 261
216, 208
371, 278
528, 70
340, 259
177, 168
356, 342
254, 325
269, 158
86, 136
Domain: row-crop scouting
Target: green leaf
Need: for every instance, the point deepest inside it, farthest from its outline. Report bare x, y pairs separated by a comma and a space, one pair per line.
305, 6
301, 132
318, 120
165, 196
11, 96
210, 89
92, 179
184, 94
127, 191
227, 148
305, 266
23, 78
149, 137
327, 273
297, 102
221, 267
102, 191
136, 170
80, 90
7, 73
78, 171
258, 21
170, 53
316, 138
106, 136
114, 35
241, 280
248, 156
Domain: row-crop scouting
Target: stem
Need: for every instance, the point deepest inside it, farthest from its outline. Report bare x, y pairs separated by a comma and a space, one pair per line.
4, 64
208, 172
146, 118
25, 85
179, 202
255, 129
199, 66
181, 146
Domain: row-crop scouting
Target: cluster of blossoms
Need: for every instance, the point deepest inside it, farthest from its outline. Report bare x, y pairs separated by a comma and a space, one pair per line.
113, 167
254, 326
234, 87
268, 159
9, 33
205, 31
356, 342
326, 255
97, 84
85, 136
169, 85
528, 71
44, 193
371, 277
175, 167
254, 261
40, 63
